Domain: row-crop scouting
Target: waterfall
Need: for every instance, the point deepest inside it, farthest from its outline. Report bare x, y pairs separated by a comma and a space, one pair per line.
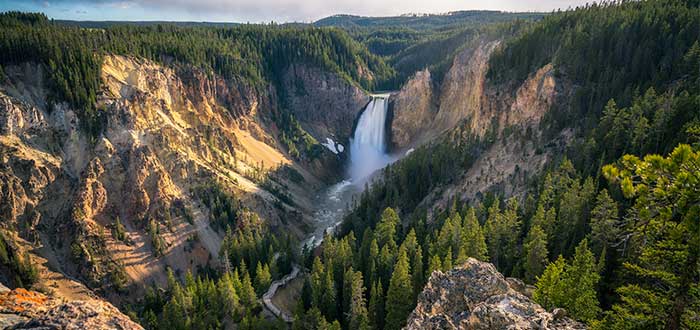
367, 147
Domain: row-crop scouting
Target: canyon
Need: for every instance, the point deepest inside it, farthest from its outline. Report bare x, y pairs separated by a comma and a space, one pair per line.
169, 130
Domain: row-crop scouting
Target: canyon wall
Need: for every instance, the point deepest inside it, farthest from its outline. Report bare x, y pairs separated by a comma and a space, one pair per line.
165, 132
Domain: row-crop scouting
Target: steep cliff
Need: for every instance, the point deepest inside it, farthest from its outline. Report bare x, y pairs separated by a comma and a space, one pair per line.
324, 103
165, 131
412, 107
475, 295
496, 114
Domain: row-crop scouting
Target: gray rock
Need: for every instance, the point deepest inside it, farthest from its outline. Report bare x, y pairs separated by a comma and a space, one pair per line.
476, 296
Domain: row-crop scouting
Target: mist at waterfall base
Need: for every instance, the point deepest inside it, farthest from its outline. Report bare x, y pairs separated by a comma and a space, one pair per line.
367, 146
367, 155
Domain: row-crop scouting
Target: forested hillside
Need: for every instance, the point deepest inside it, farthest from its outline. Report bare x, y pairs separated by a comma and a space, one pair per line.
412, 42
616, 245
254, 54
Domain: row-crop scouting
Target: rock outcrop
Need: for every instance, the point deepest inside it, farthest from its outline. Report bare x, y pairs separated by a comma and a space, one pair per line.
325, 104
476, 296
24, 309
412, 107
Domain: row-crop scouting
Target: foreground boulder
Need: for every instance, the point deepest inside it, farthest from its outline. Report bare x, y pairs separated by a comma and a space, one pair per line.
476, 296
24, 309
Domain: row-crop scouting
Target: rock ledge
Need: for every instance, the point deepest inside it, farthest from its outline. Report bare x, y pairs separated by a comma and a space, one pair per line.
476, 296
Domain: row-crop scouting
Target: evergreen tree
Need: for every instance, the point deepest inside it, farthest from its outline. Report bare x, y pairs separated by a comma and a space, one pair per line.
262, 278
247, 294
228, 297
473, 241
417, 278
571, 286
376, 306
549, 292
580, 283
329, 296
357, 315
664, 230
605, 225
317, 281
435, 264
399, 295
386, 228
535, 253
447, 261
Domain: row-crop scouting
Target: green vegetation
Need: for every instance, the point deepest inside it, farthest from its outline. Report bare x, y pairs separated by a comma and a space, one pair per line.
224, 208
612, 50
18, 264
617, 254
662, 291
204, 303
411, 43
255, 55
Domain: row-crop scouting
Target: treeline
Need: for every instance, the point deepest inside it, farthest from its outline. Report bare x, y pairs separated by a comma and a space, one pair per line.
612, 49
254, 54
411, 43
204, 303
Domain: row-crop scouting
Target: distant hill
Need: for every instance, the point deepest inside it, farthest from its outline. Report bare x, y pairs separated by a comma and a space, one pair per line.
106, 24
425, 21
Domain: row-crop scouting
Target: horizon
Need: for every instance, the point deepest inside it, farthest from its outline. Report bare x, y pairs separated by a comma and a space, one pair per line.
263, 11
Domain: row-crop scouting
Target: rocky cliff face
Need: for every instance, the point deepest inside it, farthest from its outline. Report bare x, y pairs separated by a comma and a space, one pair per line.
325, 104
24, 309
502, 113
476, 296
412, 107
165, 131
463, 91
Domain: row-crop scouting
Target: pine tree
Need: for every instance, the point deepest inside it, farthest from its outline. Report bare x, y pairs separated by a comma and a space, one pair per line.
492, 232
228, 297
262, 278
329, 296
399, 295
316, 279
580, 283
357, 317
435, 264
473, 241
444, 237
417, 278
664, 230
605, 224
447, 261
376, 306
247, 294
386, 228
535, 253
549, 292
545, 219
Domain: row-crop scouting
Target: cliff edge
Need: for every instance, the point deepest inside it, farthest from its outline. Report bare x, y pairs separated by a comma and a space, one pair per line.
476, 296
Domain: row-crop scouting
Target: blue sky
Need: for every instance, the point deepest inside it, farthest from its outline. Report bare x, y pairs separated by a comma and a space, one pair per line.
261, 10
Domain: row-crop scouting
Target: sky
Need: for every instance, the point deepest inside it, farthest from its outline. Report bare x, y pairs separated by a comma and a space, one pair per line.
257, 11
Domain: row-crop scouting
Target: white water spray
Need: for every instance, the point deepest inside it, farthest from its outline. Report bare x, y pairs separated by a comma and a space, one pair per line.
367, 147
